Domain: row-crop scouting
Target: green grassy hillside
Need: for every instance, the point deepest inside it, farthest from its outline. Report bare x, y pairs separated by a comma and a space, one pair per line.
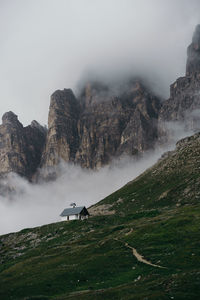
158, 215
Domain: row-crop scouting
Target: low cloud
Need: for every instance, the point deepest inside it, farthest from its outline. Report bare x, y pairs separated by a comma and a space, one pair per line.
38, 204
48, 44
34, 205
177, 130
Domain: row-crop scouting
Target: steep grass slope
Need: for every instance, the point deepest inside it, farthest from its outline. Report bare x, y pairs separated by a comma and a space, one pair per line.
173, 180
158, 214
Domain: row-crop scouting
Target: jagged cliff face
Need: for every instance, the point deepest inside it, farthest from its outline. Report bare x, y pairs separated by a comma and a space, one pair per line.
184, 101
102, 123
98, 126
116, 125
62, 138
20, 147
193, 51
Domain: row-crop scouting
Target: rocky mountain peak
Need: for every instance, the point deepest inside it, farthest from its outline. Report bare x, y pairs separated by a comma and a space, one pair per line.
105, 121
10, 118
193, 52
196, 38
62, 137
62, 95
184, 102
63, 103
20, 147
36, 125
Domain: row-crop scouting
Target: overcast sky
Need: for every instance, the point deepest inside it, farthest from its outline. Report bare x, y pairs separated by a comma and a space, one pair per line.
51, 44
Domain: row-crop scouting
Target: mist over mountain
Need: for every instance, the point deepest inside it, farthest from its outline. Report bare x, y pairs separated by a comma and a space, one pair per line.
48, 45
142, 241
28, 205
126, 127
104, 122
114, 113
122, 141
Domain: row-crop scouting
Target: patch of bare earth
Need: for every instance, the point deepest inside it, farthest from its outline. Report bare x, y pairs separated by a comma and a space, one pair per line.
101, 210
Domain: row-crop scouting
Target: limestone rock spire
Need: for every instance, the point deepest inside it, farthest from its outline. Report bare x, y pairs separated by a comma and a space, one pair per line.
193, 53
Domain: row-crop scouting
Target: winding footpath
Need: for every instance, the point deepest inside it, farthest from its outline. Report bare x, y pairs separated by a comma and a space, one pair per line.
141, 259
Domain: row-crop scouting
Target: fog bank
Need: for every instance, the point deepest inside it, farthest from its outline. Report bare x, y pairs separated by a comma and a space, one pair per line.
48, 45
34, 205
